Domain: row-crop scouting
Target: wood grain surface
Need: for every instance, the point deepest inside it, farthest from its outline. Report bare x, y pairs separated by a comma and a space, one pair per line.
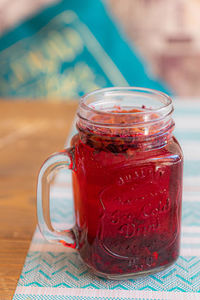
29, 132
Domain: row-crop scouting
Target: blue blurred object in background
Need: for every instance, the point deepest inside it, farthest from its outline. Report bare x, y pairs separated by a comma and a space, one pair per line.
67, 50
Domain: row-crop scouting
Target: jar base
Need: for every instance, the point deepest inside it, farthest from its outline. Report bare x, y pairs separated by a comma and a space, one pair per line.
134, 275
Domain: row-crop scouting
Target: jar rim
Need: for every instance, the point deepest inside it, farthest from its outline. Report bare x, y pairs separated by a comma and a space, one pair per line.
162, 112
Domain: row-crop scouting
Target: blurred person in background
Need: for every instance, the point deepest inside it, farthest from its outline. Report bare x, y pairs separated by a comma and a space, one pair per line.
64, 49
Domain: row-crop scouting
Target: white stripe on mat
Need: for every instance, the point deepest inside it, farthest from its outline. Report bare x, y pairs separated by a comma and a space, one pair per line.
190, 229
187, 123
123, 294
191, 150
195, 241
184, 229
62, 192
47, 247
64, 178
191, 198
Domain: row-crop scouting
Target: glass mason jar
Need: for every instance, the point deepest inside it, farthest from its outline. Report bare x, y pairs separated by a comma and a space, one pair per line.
127, 182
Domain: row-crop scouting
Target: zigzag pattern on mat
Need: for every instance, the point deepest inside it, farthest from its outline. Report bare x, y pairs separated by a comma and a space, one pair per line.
66, 270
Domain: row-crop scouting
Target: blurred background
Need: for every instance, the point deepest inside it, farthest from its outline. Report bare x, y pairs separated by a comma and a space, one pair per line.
167, 34
163, 35
58, 50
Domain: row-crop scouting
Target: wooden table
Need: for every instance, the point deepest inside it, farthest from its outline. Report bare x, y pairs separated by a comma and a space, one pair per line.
29, 132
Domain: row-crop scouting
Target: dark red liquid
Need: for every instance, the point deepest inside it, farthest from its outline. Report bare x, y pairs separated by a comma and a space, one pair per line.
127, 203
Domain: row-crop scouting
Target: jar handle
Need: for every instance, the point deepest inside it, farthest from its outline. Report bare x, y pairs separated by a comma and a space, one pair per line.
57, 161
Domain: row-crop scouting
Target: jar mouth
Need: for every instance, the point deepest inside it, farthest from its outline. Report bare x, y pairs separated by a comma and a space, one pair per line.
138, 106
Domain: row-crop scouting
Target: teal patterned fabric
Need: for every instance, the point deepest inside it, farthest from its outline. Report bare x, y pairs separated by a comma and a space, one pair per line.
67, 50
54, 272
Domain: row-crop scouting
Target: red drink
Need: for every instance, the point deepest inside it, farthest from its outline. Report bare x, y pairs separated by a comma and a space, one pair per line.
127, 183
127, 193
